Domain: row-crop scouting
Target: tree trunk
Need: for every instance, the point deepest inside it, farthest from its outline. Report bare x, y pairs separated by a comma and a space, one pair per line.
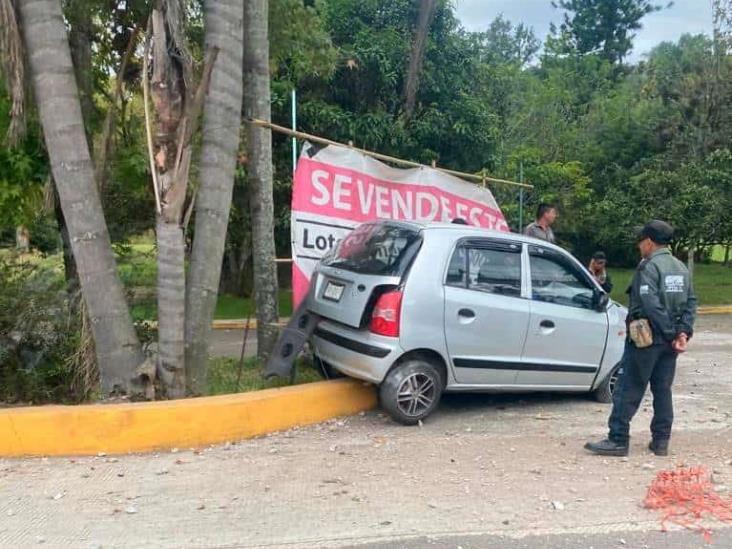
118, 349
690, 259
416, 57
71, 273
177, 112
80, 34
171, 307
259, 147
221, 122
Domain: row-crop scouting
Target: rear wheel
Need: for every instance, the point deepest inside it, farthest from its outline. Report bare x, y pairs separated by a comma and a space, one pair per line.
411, 391
604, 393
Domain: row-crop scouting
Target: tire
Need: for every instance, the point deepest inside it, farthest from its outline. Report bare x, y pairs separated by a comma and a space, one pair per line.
604, 393
411, 391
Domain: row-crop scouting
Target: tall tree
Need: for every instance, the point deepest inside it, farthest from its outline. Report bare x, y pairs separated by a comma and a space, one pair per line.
177, 108
602, 26
117, 347
221, 122
416, 57
506, 43
257, 105
78, 13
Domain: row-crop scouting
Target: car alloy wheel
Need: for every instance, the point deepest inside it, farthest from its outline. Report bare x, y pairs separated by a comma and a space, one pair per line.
416, 394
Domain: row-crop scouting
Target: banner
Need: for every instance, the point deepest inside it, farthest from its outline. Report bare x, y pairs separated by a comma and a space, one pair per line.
336, 188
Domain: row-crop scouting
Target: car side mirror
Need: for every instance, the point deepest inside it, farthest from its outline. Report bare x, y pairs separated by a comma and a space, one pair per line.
601, 299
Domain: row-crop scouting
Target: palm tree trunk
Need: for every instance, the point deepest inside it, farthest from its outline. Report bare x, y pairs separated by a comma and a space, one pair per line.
118, 349
221, 121
80, 35
259, 146
416, 57
171, 307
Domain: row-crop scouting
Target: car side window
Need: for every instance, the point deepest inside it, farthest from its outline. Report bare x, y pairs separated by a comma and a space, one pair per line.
457, 269
484, 269
556, 280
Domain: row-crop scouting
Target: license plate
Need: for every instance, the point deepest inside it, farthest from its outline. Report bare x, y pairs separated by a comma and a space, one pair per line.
333, 291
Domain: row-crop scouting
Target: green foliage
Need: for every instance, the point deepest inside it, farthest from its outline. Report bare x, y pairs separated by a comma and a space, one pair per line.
38, 336
600, 26
23, 171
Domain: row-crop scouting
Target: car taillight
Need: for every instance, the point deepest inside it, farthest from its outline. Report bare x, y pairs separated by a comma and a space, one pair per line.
387, 313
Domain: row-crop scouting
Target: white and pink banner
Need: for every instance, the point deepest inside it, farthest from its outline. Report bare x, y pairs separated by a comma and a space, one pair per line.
337, 188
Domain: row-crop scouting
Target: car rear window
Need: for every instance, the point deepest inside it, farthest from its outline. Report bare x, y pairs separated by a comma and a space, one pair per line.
384, 249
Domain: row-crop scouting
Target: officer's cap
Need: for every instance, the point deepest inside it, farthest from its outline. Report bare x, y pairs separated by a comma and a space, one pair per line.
658, 231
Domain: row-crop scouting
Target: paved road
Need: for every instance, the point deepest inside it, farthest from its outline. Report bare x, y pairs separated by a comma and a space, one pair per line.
614, 540
228, 343
485, 471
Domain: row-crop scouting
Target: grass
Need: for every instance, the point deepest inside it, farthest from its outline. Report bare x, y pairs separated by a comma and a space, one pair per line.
712, 283
223, 372
718, 254
228, 307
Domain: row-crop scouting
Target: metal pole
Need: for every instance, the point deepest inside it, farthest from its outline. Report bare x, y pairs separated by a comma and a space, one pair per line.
521, 197
293, 99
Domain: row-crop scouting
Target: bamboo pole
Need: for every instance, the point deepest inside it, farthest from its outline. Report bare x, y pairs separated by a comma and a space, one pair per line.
310, 137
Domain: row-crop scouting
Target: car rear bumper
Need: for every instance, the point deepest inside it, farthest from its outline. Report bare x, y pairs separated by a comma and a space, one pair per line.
356, 353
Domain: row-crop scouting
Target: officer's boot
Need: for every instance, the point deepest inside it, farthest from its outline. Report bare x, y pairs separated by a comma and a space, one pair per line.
659, 447
608, 447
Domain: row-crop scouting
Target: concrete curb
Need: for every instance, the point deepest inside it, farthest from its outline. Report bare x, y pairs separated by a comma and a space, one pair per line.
186, 423
715, 310
241, 323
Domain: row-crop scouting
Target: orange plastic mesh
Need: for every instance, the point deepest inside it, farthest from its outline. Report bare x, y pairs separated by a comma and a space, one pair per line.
685, 497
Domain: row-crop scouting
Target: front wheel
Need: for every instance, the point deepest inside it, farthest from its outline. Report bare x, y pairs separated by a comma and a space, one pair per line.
604, 393
411, 391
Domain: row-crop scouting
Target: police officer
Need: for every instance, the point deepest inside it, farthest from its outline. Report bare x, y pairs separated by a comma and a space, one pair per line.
660, 322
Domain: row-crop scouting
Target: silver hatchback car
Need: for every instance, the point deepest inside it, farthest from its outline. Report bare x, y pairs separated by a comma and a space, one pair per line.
423, 309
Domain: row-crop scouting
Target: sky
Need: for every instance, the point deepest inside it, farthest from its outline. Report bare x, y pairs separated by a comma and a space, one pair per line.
685, 16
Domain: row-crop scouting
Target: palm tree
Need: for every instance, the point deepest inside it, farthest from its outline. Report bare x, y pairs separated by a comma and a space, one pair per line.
118, 349
259, 147
221, 122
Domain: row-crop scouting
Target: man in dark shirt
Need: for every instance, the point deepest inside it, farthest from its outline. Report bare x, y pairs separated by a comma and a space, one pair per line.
662, 298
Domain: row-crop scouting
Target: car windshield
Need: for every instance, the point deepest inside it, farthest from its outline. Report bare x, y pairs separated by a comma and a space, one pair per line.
376, 249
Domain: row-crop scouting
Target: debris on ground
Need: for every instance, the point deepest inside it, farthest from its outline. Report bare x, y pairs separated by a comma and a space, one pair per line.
686, 496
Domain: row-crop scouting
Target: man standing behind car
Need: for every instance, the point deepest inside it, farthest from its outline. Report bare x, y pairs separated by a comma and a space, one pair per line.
546, 214
660, 322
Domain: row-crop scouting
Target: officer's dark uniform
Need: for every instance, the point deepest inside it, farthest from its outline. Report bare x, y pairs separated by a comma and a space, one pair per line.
661, 292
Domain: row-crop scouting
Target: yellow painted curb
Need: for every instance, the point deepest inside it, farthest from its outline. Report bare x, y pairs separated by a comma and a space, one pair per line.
715, 310
185, 423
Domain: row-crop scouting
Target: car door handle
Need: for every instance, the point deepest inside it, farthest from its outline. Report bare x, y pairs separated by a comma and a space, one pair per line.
546, 324
466, 313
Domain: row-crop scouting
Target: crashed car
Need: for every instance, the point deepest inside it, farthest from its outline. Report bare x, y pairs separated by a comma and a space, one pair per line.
423, 309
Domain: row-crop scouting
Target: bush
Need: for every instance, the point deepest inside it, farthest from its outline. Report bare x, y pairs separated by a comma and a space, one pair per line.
40, 337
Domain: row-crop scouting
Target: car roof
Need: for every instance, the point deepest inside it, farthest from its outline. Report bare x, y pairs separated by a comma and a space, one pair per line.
471, 230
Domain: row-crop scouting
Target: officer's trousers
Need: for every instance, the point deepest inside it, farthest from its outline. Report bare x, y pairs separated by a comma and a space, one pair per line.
655, 364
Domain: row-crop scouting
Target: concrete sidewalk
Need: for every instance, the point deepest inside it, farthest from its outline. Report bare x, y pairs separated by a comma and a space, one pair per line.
483, 469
